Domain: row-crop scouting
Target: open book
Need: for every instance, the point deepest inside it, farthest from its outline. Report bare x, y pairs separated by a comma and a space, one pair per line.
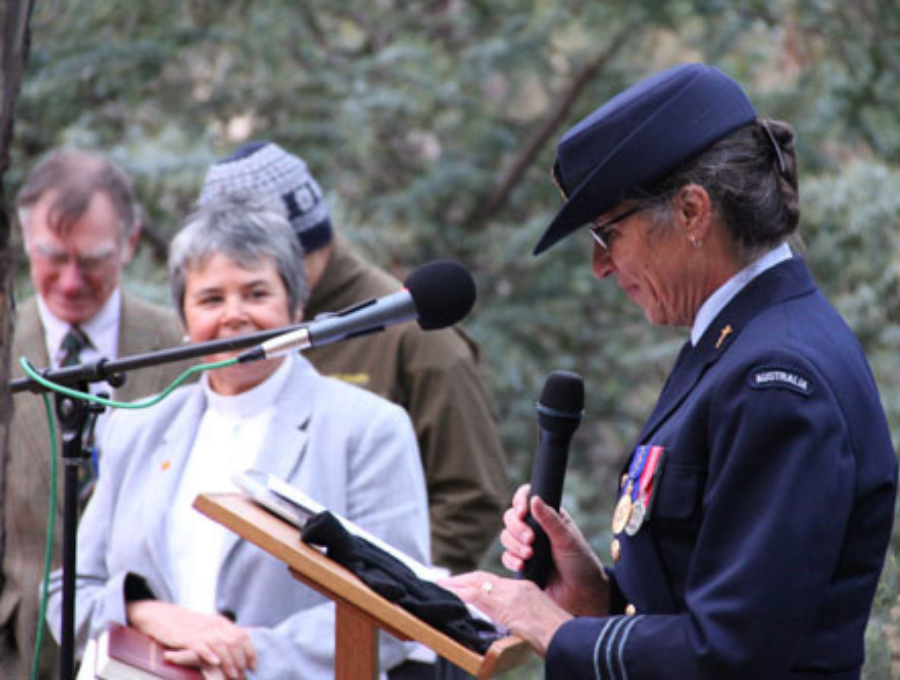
295, 506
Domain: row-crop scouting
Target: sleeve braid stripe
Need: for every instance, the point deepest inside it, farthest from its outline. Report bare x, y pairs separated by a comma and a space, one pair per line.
620, 652
612, 625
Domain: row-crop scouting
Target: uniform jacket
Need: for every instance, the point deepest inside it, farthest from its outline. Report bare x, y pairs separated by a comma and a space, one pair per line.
25, 482
434, 376
351, 451
773, 512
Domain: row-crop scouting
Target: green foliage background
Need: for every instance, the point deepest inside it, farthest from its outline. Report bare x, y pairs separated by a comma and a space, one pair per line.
413, 115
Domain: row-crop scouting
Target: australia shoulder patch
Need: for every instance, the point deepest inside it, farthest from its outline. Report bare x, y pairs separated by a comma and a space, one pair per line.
776, 377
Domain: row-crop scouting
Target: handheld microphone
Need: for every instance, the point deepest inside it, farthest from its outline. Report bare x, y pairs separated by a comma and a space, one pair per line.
437, 295
559, 412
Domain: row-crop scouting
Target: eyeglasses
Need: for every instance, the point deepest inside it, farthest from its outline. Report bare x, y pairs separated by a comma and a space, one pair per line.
87, 263
603, 233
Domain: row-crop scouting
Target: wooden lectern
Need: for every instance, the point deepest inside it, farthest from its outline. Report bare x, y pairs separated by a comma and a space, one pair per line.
360, 611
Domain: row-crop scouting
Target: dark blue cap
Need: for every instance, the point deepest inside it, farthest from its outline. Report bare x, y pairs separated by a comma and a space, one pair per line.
639, 136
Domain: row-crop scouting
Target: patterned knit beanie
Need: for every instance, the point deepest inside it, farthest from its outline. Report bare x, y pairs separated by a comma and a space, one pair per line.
264, 168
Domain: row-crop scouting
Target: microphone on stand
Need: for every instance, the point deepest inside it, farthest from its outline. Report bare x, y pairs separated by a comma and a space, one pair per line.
559, 410
437, 295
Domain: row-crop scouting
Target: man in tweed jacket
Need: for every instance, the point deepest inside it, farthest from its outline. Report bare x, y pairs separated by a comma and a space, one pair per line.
80, 226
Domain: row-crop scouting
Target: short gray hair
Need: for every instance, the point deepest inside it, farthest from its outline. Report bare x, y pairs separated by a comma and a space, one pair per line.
245, 230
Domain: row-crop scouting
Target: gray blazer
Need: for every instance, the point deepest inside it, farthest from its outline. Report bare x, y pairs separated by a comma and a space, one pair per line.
352, 451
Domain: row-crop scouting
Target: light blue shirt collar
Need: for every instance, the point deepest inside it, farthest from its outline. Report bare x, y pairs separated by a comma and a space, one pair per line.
716, 302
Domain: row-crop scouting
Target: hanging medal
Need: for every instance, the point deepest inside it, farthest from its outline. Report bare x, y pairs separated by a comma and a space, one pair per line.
622, 513
625, 505
640, 510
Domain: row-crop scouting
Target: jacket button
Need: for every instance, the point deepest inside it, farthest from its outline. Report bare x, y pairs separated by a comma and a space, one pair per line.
615, 549
630, 610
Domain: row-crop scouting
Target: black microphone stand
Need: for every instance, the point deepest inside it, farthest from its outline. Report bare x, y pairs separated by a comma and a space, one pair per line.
105, 370
73, 414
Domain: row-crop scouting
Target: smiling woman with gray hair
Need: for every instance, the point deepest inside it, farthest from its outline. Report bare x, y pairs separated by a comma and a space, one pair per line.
146, 558
247, 231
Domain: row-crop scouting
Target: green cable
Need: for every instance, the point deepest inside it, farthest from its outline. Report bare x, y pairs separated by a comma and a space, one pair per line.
48, 547
87, 396
51, 520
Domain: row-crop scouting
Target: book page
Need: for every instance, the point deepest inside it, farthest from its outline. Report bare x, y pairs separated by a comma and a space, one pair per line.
303, 500
308, 506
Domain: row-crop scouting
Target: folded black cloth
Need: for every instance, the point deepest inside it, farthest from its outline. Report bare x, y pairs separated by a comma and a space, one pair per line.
393, 580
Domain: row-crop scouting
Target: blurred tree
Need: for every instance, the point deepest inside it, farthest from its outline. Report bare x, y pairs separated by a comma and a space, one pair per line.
852, 218
14, 18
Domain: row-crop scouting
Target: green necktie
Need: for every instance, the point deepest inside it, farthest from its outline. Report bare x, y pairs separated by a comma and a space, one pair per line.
72, 344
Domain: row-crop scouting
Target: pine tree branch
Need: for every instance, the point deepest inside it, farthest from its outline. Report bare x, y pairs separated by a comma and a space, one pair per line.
551, 122
158, 244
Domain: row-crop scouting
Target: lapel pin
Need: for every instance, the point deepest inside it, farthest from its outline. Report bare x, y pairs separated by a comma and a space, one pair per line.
728, 330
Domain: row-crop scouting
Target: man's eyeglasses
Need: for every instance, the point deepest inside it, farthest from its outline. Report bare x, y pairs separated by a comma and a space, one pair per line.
86, 263
603, 233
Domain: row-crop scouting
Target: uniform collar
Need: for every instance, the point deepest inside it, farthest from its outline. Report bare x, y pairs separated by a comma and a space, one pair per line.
716, 302
782, 282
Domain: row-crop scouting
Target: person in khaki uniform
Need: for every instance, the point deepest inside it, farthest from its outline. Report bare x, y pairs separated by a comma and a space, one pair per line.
80, 225
433, 375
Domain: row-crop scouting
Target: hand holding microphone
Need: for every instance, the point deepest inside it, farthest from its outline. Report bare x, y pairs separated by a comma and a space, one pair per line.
559, 409
580, 585
576, 581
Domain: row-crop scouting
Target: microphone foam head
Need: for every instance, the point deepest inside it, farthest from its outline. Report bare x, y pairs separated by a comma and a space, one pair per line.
443, 293
564, 393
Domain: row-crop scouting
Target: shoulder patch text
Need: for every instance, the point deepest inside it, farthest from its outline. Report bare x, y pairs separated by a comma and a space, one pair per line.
767, 377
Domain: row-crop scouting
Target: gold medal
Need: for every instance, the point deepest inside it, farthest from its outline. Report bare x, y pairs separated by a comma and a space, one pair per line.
622, 513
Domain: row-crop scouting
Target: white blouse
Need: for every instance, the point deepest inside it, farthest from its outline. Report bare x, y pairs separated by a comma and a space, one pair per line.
228, 441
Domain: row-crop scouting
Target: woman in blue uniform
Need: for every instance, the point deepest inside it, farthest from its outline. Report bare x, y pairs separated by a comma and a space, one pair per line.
755, 510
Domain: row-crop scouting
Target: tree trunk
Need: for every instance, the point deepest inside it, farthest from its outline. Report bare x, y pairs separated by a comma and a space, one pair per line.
14, 16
